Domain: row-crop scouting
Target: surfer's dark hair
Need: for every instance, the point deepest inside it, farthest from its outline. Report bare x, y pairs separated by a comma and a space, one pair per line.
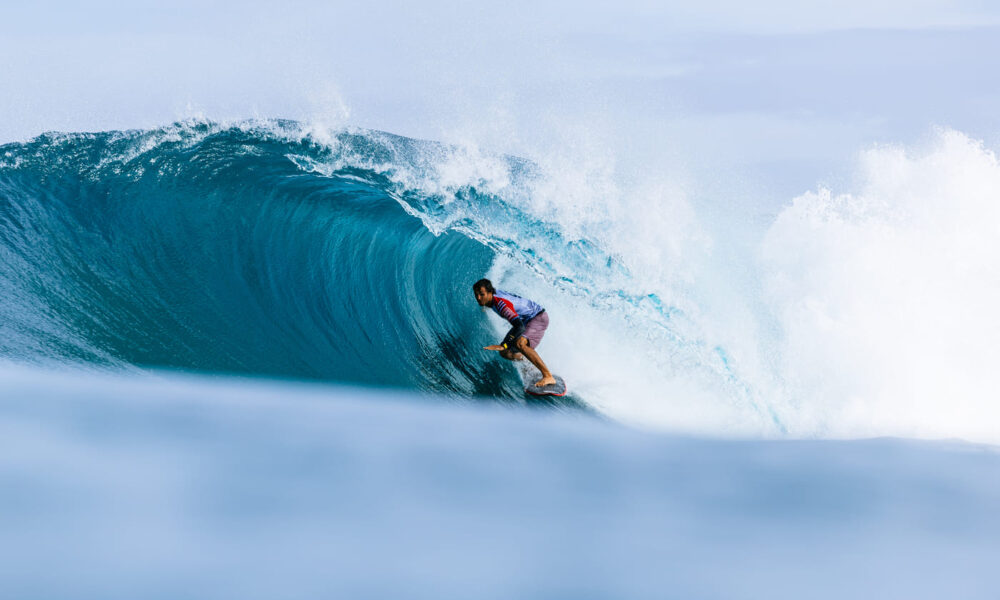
483, 284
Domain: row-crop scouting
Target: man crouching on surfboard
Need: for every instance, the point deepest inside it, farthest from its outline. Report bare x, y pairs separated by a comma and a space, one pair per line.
528, 324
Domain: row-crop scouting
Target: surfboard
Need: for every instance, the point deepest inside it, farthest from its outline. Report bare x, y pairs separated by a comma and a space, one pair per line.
556, 389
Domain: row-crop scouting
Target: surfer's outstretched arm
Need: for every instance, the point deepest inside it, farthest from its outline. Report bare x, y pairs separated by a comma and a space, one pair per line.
510, 353
509, 347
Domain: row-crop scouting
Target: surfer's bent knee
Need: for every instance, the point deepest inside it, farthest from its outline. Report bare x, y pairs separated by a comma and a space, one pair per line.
511, 354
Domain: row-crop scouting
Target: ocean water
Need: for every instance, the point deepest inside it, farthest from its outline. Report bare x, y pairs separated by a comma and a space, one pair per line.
283, 249
167, 486
243, 359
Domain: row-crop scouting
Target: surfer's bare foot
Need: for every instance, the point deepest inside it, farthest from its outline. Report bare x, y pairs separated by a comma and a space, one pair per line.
544, 381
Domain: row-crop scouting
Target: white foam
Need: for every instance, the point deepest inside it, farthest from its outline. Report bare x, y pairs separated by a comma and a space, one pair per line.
877, 312
887, 297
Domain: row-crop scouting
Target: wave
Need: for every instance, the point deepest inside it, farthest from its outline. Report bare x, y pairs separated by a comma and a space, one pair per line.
209, 247
270, 248
276, 248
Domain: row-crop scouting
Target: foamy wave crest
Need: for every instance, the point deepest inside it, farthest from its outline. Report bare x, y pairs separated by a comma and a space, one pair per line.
888, 297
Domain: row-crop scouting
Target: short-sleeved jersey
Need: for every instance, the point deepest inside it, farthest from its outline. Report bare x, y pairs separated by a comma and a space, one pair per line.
514, 308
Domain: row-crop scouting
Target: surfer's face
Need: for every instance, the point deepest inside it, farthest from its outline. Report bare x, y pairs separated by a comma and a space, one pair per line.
483, 297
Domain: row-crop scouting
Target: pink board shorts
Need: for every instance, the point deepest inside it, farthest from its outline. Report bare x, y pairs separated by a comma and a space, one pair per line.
535, 329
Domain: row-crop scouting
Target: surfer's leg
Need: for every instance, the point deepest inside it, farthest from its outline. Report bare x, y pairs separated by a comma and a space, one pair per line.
534, 330
528, 351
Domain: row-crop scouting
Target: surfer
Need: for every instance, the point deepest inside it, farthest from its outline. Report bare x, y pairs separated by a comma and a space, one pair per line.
528, 324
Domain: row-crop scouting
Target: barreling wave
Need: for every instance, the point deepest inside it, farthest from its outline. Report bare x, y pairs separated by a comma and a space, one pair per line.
272, 248
267, 248
218, 248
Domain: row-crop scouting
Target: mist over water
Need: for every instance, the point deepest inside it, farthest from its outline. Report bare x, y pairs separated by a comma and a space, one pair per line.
886, 294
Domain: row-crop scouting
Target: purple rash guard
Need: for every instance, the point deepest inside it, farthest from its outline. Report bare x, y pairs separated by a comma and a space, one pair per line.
516, 310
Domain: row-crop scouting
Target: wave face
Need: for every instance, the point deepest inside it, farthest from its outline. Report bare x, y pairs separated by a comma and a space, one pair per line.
215, 248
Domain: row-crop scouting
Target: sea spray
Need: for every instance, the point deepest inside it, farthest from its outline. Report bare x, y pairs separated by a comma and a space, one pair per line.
887, 296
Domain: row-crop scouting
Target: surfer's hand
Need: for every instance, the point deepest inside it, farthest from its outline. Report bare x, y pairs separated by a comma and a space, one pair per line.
495, 347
